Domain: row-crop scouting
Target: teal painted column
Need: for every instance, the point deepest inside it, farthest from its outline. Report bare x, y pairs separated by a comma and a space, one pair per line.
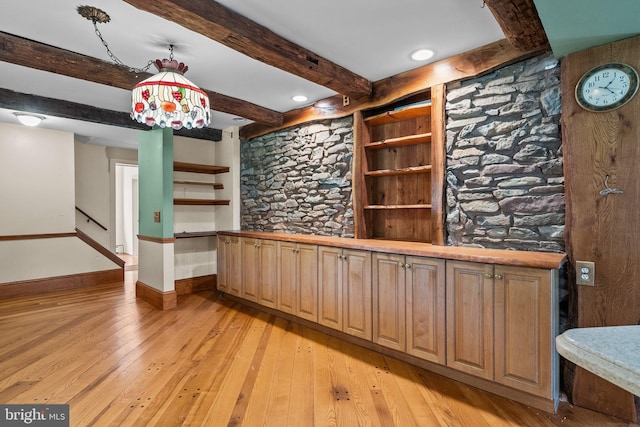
155, 181
156, 263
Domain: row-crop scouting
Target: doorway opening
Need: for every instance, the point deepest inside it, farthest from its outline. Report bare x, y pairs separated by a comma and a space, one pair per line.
126, 195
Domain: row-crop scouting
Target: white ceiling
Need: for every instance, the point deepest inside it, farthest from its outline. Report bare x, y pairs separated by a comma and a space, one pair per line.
373, 38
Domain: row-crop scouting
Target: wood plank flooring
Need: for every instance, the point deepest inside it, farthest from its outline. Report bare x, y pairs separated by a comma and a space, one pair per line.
213, 362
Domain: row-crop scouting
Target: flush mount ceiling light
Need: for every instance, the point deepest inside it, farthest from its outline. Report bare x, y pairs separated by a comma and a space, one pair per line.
299, 98
27, 119
165, 99
422, 54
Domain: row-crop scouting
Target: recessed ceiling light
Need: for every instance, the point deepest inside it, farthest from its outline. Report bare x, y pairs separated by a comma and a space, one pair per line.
29, 119
422, 54
239, 119
299, 98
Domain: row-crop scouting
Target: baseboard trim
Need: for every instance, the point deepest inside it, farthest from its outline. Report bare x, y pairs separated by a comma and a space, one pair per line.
155, 297
196, 284
546, 404
60, 283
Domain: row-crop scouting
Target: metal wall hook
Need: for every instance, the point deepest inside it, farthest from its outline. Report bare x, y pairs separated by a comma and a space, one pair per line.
608, 190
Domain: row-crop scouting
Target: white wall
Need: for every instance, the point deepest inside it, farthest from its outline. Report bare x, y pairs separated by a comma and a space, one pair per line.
36, 181
197, 256
92, 191
37, 184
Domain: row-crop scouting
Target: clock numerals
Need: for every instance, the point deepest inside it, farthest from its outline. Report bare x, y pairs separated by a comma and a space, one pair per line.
607, 87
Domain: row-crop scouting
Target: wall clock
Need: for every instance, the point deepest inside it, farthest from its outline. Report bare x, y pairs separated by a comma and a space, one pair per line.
607, 87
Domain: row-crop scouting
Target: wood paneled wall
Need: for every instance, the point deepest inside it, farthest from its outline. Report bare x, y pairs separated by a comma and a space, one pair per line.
603, 229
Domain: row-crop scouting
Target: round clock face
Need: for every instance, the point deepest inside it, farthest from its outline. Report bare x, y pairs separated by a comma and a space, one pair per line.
607, 87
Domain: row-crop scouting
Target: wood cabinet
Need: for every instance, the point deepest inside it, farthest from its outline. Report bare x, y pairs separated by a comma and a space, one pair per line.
408, 305
491, 321
470, 318
229, 278
397, 167
344, 290
501, 324
425, 307
259, 277
525, 329
389, 300
297, 291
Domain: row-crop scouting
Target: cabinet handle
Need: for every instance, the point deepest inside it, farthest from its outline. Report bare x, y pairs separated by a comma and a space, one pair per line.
407, 265
498, 276
488, 276
227, 242
401, 265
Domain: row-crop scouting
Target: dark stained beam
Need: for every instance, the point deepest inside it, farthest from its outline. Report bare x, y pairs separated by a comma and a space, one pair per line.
32, 54
241, 34
462, 66
71, 110
520, 23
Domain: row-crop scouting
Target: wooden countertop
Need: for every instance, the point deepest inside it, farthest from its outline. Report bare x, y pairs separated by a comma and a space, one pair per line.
488, 256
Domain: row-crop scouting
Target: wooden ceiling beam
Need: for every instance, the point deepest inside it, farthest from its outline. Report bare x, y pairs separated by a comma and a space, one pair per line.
243, 35
458, 67
71, 110
520, 23
40, 56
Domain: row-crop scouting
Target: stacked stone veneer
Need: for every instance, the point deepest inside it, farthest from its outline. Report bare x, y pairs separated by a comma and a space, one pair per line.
298, 180
505, 184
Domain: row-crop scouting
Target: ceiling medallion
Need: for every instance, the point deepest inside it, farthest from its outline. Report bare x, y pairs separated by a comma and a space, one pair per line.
93, 14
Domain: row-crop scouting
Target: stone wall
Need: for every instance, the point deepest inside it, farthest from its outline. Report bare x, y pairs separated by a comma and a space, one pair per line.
505, 184
298, 180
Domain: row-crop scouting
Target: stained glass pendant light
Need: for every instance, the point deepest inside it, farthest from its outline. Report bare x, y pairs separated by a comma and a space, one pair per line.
169, 98
165, 99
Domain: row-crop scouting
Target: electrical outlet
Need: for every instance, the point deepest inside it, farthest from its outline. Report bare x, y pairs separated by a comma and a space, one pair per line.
585, 273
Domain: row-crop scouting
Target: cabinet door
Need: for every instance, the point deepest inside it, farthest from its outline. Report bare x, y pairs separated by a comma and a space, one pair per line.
356, 300
250, 268
470, 318
389, 301
221, 275
307, 282
268, 273
524, 330
330, 287
234, 266
287, 277
426, 309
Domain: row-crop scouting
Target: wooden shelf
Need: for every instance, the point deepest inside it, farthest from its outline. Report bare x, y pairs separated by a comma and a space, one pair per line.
198, 168
399, 115
216, 186
404, 171
400, 142
199, 202
388, 207
192, 234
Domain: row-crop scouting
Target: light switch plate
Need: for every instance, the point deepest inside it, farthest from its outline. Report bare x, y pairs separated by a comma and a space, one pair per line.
156, 216
585, 273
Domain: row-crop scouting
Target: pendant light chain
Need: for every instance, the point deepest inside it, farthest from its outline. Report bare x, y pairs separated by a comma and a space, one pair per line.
115, 59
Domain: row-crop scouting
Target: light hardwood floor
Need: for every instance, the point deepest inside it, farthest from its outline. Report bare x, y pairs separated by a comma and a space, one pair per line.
214, 362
